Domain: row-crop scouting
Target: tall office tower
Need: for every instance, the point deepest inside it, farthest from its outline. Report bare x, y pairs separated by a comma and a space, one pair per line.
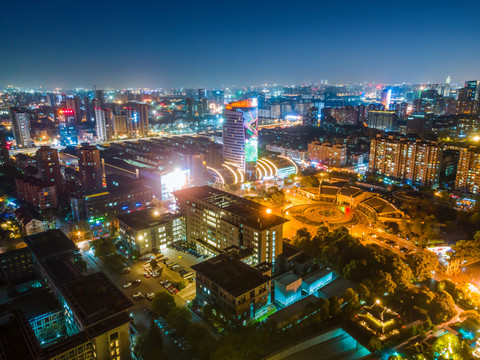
415, 162
100, 97
131, 115
105, 129
386, 98
469, 91
89, 109
216, 220
347, 115
190, 107
48, 165
311, 117
4, 156
90, 167
51, 99
142, 109
74, 104
202, 94
446, 89
21, 127
67, 127
240, 136
382, 120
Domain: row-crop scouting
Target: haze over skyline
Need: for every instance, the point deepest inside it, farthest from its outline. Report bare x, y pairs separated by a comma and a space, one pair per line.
212, 44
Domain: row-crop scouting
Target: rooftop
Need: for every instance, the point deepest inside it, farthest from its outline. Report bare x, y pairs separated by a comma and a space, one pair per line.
142, 219
317, 275
381, 206
287, 279
253, 214
95, 299
231, 274
351, 191
49, 243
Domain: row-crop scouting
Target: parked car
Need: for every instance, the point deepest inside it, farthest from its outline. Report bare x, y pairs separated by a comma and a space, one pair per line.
127, 285
146, 275
137, 281
150, 295
137, 295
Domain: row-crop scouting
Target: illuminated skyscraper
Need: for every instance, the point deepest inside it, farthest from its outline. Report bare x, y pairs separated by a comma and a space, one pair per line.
132, 122
21, 127
74, 105
386, 98
240, 136
468, 171
105, 129
67, 127
446, 90
142, 119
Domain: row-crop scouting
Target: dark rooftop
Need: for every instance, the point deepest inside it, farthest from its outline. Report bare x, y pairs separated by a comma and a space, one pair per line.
16, 339
94, 298
49, 243
146, 218
253, 214
38, 303
231, 274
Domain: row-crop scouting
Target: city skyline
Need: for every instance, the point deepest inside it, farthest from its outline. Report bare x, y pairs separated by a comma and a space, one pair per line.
218, 44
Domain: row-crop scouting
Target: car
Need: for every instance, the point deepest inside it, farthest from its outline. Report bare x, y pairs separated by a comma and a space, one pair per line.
127, 270
146, 275
127, 285
137, 295
163, 281
137, 281
150, 295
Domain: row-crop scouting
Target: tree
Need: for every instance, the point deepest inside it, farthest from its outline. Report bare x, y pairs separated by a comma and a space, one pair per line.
447, 347
402, 274
422, 265
351, 300
363, 292
115, 262
200, 339
335, 306
162, 303
179, 318
153, 263
384, 282
443, 308
103, 247
310, 181
150, 343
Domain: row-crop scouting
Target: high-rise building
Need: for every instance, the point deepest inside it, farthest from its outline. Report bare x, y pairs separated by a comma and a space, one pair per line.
468, 171
240, 136
469, 92
216, 220
386, 98
4, 155
142, 109
74, 105
382, 120
67, 127
89, 109
100, 97
446, 90
90, 167
311, 117
131, 115
105, 129
328, 154
48, 166
21, 127
119, 125
415, 162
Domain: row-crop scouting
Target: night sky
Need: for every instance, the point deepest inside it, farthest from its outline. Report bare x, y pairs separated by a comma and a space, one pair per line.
163, 44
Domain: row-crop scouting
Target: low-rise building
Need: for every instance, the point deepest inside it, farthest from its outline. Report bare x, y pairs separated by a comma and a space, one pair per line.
31, 221
147, 230
328, 154
227, 283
